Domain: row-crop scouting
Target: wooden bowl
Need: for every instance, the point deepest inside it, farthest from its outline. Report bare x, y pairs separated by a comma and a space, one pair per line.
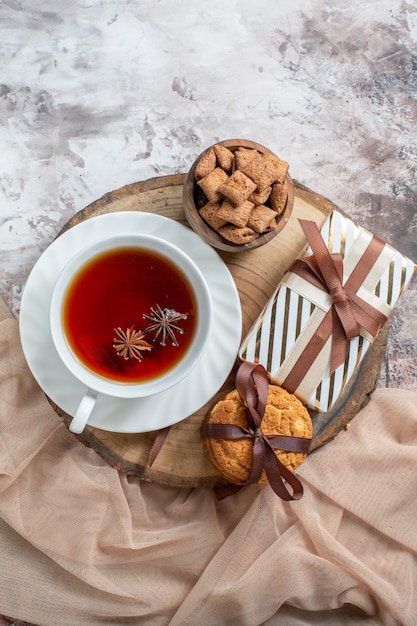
193, 198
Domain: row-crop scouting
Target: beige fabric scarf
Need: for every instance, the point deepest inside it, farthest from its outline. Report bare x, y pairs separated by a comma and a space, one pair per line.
81, 544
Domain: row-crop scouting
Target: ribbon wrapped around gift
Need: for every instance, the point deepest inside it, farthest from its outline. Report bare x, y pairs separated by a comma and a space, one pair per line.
327, 310
348, 315
252, 383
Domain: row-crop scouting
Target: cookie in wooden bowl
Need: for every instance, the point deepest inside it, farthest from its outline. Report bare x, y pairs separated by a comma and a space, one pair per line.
238, 195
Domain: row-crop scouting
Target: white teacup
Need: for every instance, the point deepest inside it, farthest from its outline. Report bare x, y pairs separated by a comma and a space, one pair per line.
186, 278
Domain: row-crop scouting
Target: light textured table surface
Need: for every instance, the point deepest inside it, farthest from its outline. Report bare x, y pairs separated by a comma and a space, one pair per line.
96, 94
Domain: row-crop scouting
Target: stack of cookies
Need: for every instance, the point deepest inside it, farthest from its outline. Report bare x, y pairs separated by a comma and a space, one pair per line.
242, 192
284, 415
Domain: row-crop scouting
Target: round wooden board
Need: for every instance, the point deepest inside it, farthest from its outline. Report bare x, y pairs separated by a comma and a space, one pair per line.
182, 461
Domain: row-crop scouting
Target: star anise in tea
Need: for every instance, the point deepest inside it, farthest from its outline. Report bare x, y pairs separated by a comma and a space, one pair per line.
164, 324
130, 343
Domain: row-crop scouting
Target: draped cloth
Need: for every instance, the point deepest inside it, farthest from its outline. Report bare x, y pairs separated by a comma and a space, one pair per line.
81, 544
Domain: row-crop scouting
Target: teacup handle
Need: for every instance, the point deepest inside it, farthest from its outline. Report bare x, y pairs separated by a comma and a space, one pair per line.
82, 415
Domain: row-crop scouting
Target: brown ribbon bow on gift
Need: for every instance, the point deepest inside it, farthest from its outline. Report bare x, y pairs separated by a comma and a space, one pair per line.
252, 385
348, 312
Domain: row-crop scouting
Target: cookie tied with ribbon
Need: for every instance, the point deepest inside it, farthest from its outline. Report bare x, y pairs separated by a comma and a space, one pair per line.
258, 433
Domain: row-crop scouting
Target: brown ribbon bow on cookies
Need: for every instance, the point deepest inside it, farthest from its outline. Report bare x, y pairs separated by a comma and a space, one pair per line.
252, 384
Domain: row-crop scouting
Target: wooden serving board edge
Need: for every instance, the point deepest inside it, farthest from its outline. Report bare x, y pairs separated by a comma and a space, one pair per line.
355, 397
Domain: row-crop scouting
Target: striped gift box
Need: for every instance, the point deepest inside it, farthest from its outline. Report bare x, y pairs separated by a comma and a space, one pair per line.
284, 338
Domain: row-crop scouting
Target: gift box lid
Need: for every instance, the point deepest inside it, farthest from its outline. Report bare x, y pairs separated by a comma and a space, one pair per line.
286, 338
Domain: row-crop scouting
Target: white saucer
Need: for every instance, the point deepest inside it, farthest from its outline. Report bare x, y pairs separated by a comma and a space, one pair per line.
141, 414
